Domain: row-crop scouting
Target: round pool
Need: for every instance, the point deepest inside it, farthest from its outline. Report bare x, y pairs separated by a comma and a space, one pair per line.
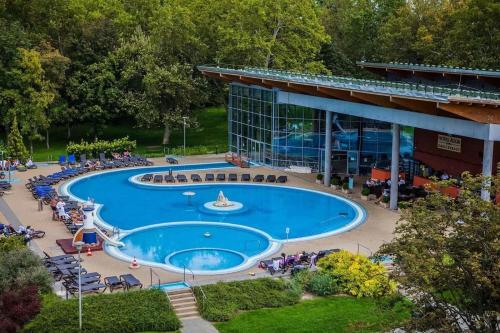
205, 259
156, 221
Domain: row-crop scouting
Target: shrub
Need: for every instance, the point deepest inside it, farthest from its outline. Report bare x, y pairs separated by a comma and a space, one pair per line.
365, 191
101, 146
17, 307
319, 176
335, 181
223, 300
15, 145
357, 275
323, 284
22, 268
134, 311
11, 243
345, 185
386, 199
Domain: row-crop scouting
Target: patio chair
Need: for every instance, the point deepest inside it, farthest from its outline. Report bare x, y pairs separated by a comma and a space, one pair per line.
209, 177
221, 177
113, 282
130, 281
271, 179
62, 160
102, 157
232, 177
181, 178
71, 159
245, 177
88, 288
282, 179
147, 177
172, 160
169, 179
258, 178
195, 177
157, 179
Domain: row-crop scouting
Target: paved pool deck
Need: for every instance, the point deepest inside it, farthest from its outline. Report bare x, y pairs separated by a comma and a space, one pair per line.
367, 237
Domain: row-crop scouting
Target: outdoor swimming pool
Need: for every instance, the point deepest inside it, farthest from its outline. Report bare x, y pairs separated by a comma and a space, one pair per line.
161, 226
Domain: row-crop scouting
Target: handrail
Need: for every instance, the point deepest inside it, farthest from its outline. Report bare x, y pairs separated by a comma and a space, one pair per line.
185, 273
365, 247
151, 272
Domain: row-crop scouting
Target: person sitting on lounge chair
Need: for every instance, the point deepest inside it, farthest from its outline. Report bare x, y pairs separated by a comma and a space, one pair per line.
60, 210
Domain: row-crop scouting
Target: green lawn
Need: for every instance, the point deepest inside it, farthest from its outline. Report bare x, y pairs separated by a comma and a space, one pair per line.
327, 315
211, 134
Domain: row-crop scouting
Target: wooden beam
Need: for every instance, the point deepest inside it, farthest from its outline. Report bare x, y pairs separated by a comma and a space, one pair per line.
344, 95
427, 107
380, 100
485, 115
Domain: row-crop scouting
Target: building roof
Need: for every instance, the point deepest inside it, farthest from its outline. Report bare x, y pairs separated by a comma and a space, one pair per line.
432, 69
481, 106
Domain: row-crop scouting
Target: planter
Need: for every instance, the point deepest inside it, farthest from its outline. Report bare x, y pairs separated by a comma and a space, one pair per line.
319, 181
346, 191
372, 197
384, 204
365, 197
335, 187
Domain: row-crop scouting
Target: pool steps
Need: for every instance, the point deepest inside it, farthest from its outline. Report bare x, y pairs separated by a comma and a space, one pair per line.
184, 303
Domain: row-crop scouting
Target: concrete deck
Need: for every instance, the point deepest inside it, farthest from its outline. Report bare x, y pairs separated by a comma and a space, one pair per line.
377, 229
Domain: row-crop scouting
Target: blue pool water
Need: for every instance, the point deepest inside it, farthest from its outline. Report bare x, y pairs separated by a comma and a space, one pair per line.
206, 259
172, 286
268, 212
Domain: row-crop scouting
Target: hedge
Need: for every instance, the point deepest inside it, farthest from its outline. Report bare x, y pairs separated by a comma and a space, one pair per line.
134, 311
224, 300
101, 146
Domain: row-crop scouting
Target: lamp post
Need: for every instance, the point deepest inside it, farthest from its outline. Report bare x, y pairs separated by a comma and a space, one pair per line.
184, 126
9, 164
79, 246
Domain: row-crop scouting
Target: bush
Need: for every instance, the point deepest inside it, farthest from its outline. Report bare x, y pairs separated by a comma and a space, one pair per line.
335, 181
134, 311
22, 268
101, 146
18, 307
323, 284
386, 199
345, 185
223, 300
365, 191
11, 243
357, 275
319, 176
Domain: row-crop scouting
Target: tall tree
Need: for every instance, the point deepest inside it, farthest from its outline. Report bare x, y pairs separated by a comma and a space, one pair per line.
448, 259
15, 145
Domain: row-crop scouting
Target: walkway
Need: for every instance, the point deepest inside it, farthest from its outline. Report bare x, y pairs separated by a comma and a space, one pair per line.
197, 325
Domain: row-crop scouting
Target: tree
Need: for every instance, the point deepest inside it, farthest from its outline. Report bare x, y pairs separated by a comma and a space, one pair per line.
447, 255
17, 307
15, 145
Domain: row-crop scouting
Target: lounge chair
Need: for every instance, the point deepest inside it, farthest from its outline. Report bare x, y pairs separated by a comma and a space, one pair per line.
130, 281
87, 288
62, 160
55, 258
221, 177
147, 177
195, 177
113, 282
172, 160
209, 177
71, 159
282, 179
169, 179
232, 177
181, 178
258, 178
271, 179
157, 179
245, 177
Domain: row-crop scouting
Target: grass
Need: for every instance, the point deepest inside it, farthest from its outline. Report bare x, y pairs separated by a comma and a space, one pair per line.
327, 315
210, 136
121, 312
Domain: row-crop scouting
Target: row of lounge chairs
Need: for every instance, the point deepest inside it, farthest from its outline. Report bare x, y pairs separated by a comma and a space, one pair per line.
103, 162
210, 177
65, 268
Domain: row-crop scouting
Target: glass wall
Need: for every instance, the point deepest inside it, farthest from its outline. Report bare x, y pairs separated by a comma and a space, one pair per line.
282, 135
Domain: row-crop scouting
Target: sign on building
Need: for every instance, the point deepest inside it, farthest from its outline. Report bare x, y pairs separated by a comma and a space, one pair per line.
449, 143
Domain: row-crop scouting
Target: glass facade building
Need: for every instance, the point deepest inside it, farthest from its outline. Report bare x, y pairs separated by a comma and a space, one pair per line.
281, 135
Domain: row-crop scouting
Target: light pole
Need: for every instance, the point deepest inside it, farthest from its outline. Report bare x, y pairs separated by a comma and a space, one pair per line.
79, 246
10, 164
184, 123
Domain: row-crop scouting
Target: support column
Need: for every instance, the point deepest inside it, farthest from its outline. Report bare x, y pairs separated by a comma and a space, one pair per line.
393, 203
328, 149
487, 164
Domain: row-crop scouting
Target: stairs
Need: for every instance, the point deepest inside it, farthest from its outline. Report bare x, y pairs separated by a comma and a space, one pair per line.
184, 303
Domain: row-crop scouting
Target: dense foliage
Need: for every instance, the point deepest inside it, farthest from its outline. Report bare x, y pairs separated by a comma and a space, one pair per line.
224, 300
17, 307
15, 144
356, 275
448, 259
63, 62
101, 146
134, 311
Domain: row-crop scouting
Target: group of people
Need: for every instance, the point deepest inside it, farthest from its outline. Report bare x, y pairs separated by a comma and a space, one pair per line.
6, 165
28, 233
294, 262
59, 212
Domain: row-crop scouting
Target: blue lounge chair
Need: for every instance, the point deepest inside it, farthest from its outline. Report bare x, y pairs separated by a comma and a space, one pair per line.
71, 159
62, 159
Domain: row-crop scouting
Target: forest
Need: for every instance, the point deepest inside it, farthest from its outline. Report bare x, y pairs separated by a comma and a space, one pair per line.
68, 62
